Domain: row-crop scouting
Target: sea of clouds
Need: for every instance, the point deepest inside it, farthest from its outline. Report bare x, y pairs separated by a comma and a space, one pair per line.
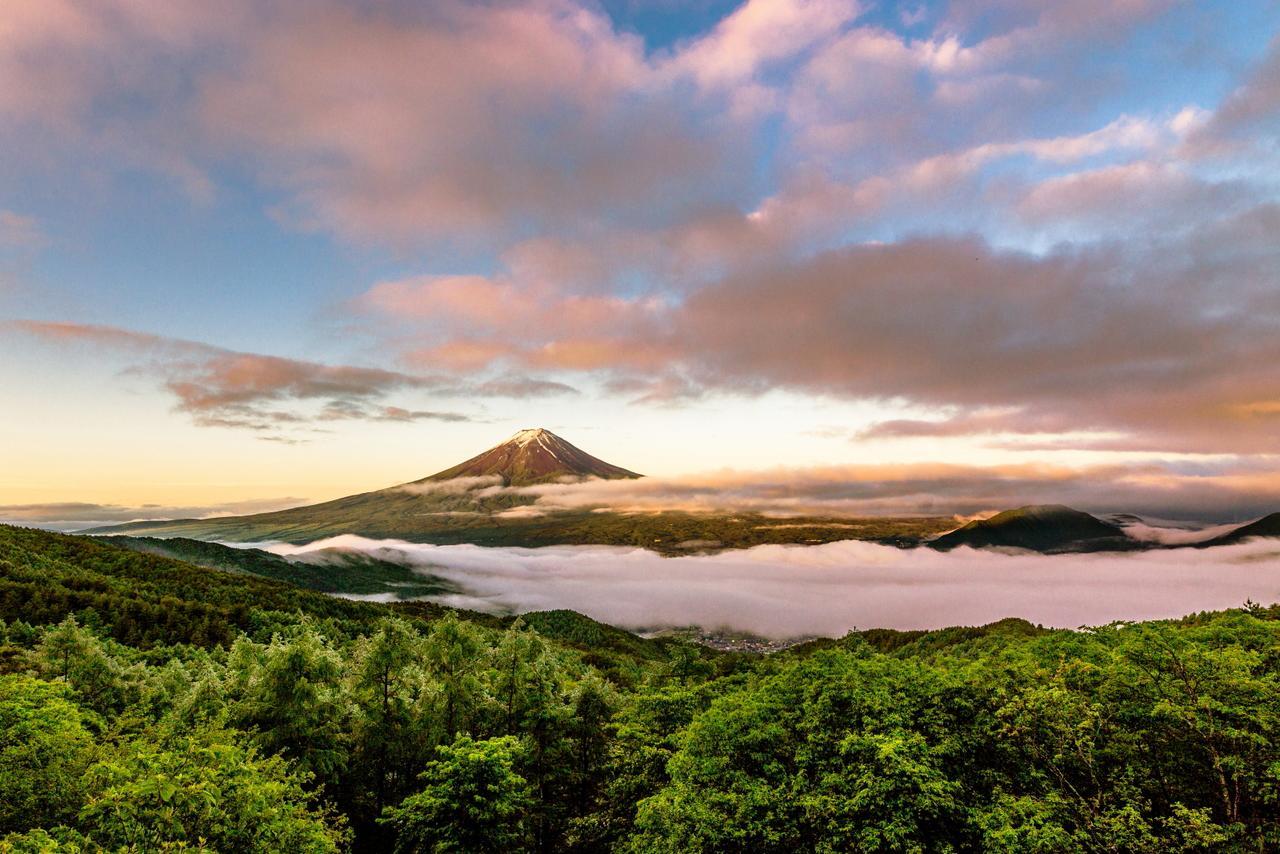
793, 591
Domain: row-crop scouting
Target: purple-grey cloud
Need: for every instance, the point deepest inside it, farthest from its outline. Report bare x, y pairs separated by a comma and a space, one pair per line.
1235, 491
217, 387
77, 515
1168, 344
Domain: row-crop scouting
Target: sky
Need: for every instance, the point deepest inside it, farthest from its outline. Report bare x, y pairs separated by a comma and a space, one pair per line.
257, 253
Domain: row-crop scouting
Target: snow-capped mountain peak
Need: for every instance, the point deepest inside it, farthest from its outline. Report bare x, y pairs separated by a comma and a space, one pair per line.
534, 455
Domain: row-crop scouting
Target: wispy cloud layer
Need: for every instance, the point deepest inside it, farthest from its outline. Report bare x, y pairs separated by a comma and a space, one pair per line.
74, 516
1221, 491
1249, 119
224, 388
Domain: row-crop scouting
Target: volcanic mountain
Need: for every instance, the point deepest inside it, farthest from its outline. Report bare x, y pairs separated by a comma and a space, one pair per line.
533, 456
1041, 528
499, 498
464, 503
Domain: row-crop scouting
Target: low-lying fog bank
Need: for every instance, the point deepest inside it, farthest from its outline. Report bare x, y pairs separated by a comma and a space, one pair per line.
790, 591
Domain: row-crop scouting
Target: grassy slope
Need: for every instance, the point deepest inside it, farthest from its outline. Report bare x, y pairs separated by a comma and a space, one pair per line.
408, 517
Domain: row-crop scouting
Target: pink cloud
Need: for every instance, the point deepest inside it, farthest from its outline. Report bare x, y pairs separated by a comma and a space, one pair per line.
459, 355
458, 298
475, 322
640, 245
223, 388
542, 121
759, 32
462, 120
58, 57
1074, 340
878, 99
72, 516
1138, 195
1249, 119
1024, 27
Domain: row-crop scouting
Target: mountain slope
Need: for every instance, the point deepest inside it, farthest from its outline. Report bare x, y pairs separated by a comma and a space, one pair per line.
533, 456
1267, 526
1040, 528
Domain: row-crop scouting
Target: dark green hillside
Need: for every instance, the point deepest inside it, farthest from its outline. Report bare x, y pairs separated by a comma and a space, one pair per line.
329, 571
917, 642
143, 599
182, 704
592, 637
1041, 528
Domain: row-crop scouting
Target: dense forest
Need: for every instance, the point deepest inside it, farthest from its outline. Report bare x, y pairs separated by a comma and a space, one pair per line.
150, 705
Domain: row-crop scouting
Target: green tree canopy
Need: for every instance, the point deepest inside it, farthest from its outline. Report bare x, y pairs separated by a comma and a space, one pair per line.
45, 746
473, 801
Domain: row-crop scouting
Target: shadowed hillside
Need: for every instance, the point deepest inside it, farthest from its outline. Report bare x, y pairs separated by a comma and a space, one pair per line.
327, 570
1267, 526
1042, 528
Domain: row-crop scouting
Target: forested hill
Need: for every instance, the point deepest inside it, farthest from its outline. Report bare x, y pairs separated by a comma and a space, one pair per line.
147, 704
146, 597
1049, 529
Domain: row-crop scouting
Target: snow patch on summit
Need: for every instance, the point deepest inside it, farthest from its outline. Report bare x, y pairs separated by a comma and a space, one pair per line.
533, 455
524, 437
545, 439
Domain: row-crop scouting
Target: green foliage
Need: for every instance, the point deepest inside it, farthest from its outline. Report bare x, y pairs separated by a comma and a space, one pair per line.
450, 653
46, 743
61, 840
473, 801
76, 657
220, 797
589, 635
147, 704
291, 696
829, 754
